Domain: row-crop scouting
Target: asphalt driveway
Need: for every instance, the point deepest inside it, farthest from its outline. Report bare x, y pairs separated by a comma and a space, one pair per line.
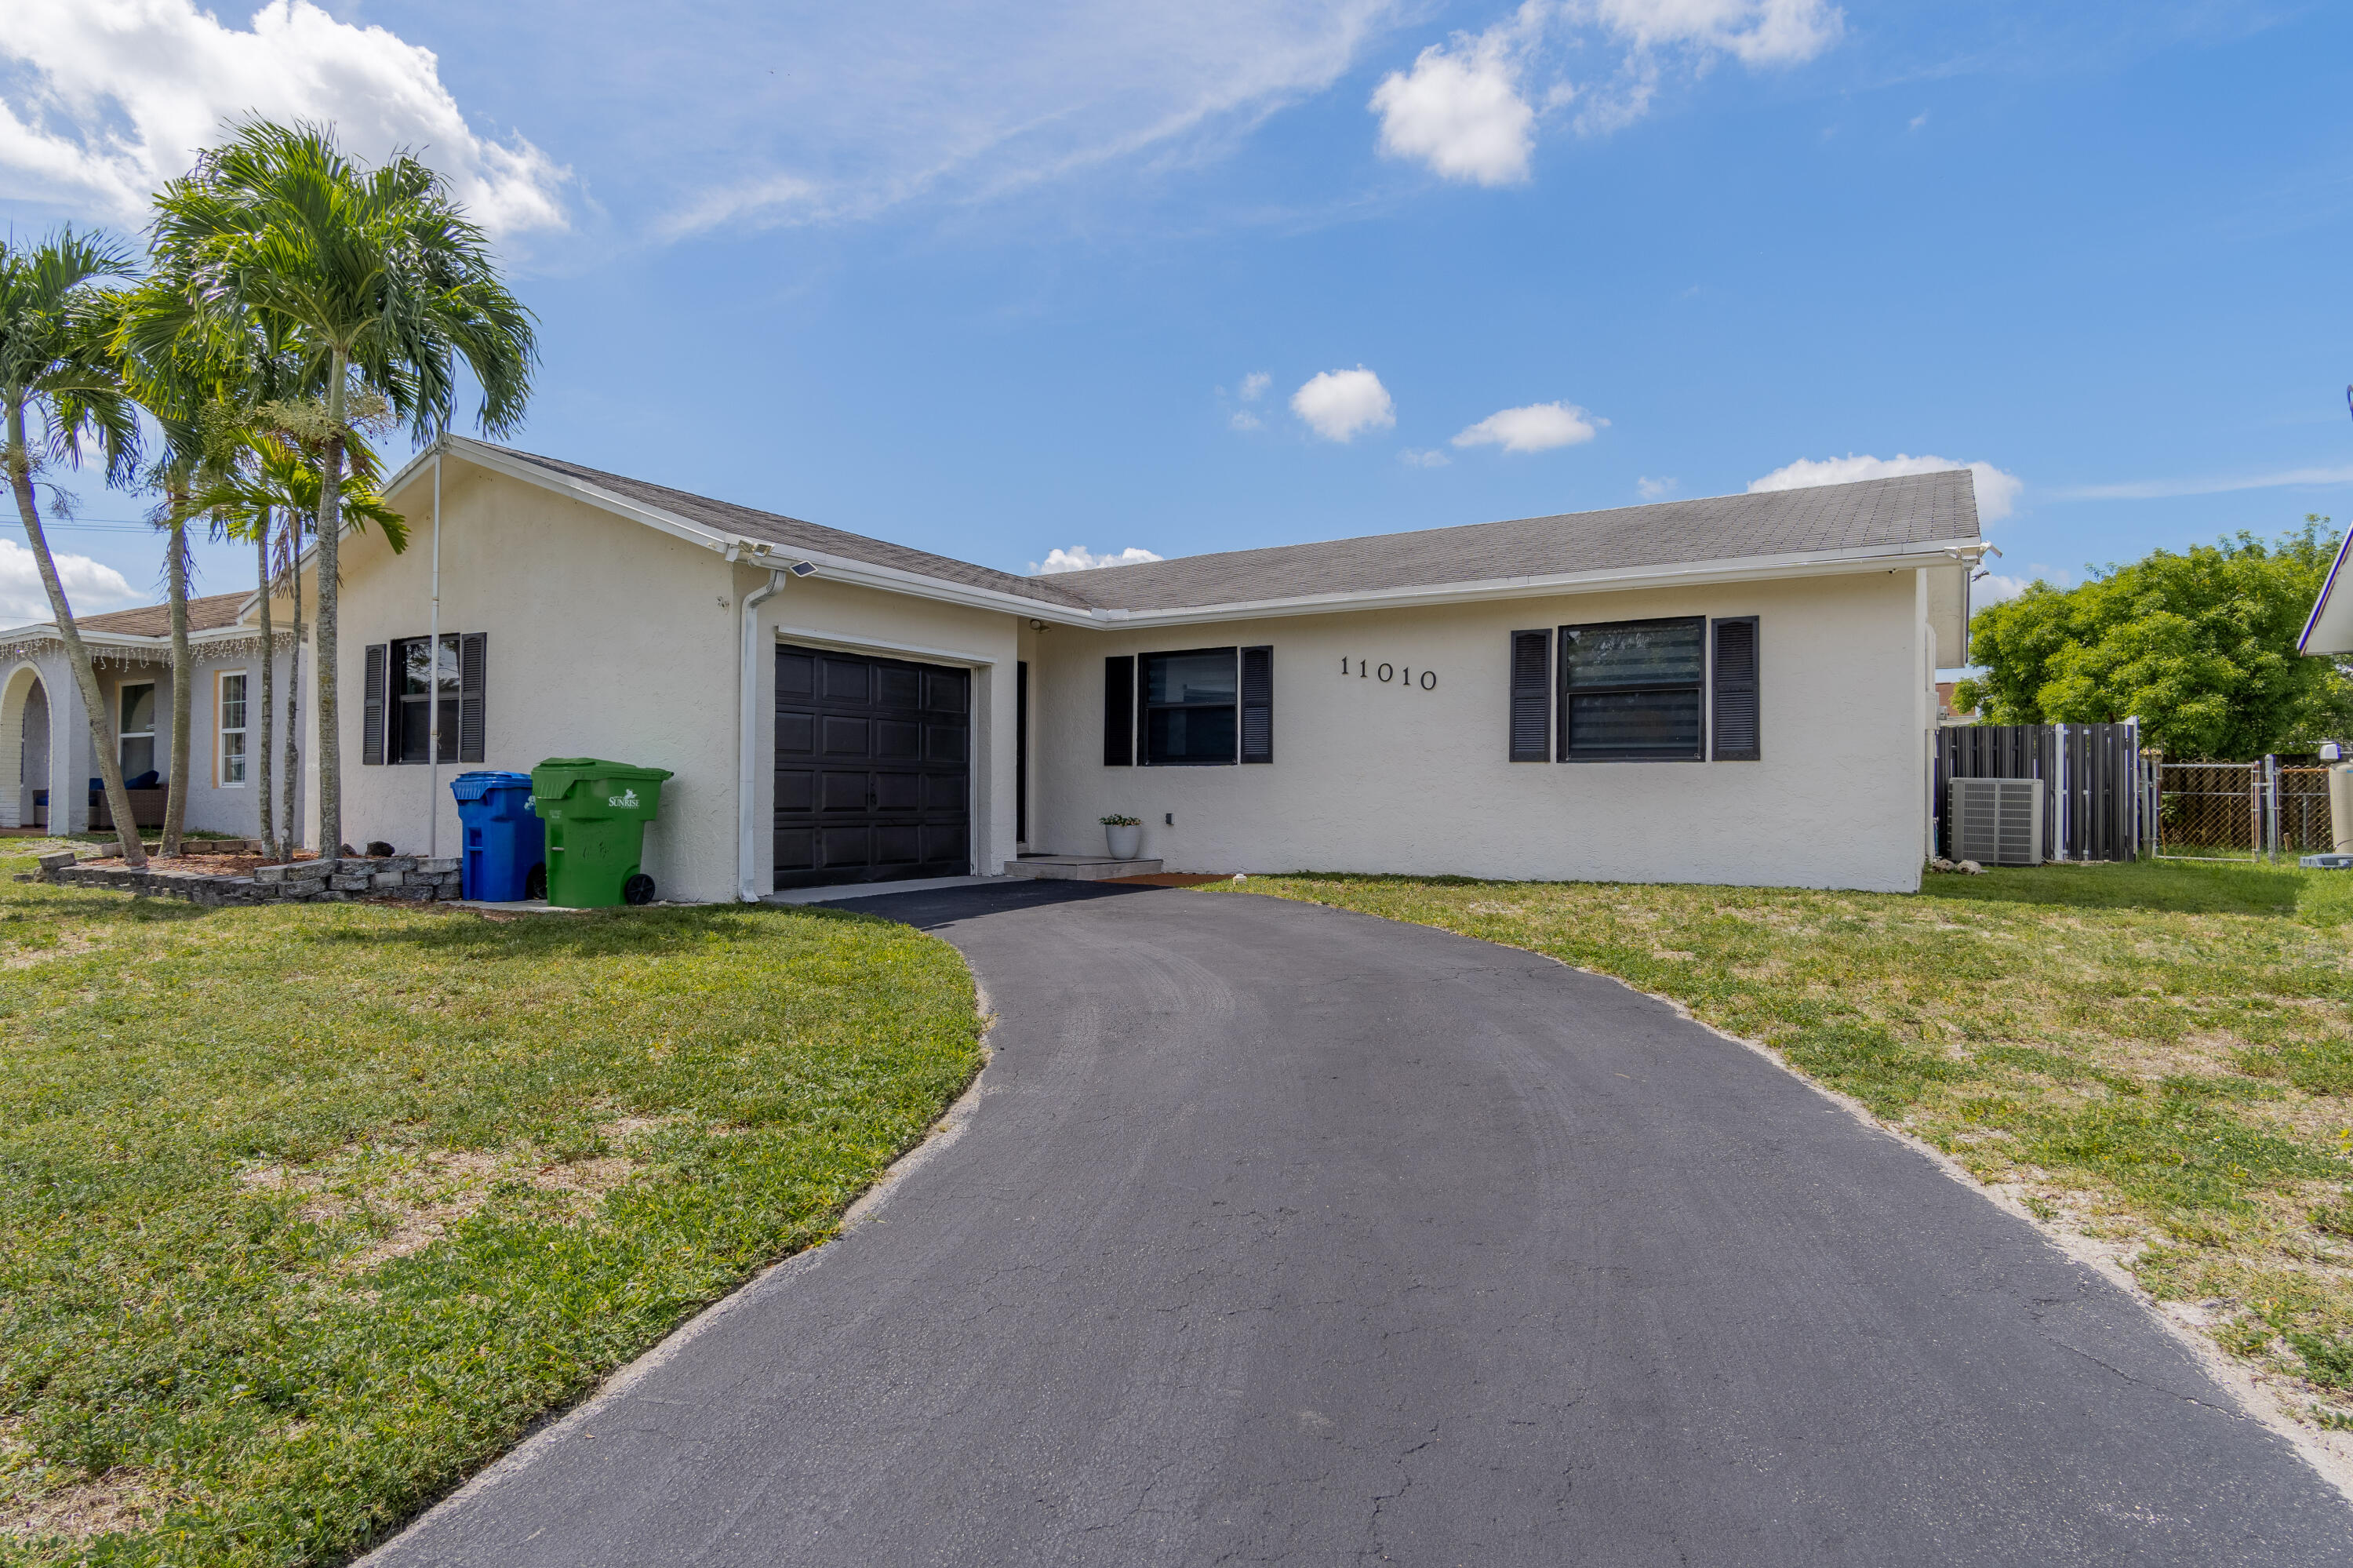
1285, 1234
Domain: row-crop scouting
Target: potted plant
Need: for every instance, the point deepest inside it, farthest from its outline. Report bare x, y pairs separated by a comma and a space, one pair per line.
1126, 836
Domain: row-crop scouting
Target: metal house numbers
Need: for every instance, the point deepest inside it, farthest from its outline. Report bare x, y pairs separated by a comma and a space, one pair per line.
1400, 675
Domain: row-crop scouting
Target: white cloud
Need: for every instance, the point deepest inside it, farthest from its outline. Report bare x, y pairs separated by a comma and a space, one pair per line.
1459, 112
1079, 558
1414, 457
90, 587
109, 98
1997, 492
1340, 405
1919, 120
1538, 428
1254, 386
1243, 420
2160, 489
1469, 107
1995, 587
832, 115
1655, 489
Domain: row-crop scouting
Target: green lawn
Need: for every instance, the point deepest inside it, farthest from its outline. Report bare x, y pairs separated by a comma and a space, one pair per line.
2157, 1056
308, 1212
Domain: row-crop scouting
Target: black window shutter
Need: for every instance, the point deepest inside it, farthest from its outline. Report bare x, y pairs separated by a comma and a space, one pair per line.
473, 648
1258, 705
1736, 717
372, 705
1119, 711
1531, 667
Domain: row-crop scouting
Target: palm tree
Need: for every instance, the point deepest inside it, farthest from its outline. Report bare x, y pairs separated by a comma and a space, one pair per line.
56, 361
377, 277
276, 479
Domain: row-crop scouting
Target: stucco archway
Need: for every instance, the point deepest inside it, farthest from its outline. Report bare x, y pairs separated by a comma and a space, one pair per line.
15, 690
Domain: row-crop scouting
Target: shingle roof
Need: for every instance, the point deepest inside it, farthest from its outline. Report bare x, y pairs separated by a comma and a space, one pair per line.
729, 518
1913, 509
207, 614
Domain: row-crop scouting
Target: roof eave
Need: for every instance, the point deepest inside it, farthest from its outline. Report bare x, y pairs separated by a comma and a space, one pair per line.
762, 553
1957, 551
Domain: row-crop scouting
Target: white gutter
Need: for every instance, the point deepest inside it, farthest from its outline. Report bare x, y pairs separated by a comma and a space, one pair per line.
747, 741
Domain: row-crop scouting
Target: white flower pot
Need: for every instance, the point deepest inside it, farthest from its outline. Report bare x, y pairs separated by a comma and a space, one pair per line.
1126, 842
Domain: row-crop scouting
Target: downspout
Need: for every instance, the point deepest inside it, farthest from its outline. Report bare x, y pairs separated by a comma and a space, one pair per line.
747, 740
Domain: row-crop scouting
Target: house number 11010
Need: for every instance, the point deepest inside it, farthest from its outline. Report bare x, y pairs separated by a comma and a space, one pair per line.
1427, 680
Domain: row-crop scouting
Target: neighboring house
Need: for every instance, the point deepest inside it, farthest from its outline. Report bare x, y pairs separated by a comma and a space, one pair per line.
1734, 690
45, 765
1947, 711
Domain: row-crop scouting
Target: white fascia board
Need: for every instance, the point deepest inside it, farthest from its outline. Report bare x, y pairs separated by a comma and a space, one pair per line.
1754, 568
891, 579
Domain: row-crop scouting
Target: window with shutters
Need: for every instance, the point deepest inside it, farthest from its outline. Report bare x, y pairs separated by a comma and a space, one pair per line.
405, 678
1190, 708
1632, 690
1736, 719
1531, 696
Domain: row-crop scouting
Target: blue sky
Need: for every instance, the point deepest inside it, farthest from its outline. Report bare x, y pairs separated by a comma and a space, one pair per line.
1002, 281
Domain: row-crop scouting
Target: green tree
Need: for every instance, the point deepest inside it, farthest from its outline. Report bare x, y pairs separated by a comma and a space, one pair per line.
2200, 646
56, 362
377, 277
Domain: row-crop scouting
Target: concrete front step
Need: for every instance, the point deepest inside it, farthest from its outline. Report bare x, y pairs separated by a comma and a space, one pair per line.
1078, 868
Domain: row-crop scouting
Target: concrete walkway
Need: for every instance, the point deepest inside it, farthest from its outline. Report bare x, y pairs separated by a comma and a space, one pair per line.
1287, 1236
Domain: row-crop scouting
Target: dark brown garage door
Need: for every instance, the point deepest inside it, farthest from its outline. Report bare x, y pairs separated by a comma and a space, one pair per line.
873, 781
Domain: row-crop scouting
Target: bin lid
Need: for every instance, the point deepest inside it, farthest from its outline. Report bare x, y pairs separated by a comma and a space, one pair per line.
560, 773
474, 786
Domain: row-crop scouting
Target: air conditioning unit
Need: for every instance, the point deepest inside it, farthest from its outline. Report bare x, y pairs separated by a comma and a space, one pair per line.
1997, 821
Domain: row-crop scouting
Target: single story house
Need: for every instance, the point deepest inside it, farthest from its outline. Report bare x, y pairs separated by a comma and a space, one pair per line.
45, 766
1731, 690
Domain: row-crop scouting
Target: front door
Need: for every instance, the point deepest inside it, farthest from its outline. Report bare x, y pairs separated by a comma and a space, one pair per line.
873, 771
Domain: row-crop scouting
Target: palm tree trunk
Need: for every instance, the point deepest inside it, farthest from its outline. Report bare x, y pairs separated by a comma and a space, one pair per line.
291, 553
184, 675
101, 724
331, 528
268, 823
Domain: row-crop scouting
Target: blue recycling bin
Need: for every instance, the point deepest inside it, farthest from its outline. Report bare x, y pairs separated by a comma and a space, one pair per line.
506, 843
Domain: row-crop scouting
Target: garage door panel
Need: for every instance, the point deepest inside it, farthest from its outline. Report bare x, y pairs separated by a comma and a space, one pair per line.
796, 850
848, 735
873, 781
795, 675
849, 681
840, 846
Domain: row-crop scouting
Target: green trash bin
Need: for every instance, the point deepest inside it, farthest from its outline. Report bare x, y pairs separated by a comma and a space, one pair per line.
596, 814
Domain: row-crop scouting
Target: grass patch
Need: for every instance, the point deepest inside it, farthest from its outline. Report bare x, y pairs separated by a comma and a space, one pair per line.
306, 1212
2158, 1054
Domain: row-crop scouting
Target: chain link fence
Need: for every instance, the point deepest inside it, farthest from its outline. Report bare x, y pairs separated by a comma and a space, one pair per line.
2239, 811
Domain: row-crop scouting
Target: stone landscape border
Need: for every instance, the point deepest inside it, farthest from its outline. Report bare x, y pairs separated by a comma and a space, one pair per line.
329, 880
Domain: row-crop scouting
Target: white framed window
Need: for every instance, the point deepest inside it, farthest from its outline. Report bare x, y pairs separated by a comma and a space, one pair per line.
229, 747
136, 733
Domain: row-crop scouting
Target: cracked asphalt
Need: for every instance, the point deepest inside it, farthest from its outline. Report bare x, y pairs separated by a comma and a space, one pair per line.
1284, 1235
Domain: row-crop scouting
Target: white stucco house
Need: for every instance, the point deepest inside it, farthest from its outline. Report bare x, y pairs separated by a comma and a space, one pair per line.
1731, 690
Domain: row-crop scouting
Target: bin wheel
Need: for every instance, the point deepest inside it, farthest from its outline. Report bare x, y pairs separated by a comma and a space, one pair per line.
639, 889
534, 880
